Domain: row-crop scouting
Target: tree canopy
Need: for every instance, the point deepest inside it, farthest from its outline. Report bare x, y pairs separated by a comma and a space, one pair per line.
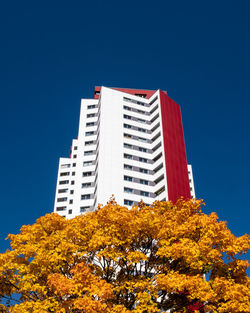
160, 258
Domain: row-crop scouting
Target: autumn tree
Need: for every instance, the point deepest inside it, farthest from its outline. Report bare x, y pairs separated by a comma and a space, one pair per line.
159, 258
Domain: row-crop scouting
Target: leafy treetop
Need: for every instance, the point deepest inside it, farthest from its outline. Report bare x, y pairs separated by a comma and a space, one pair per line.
159, 258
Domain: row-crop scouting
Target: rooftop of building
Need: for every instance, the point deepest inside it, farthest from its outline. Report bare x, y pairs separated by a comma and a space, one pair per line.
143, 93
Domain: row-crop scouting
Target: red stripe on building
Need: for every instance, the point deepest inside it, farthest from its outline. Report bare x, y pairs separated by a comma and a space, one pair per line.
174, 147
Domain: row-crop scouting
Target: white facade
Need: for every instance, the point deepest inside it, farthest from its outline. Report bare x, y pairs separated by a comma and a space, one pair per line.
119, 151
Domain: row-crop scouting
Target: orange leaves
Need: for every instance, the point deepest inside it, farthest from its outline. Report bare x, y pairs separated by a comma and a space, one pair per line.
233, 297
147, 259
60, 284
82, 290
197, 286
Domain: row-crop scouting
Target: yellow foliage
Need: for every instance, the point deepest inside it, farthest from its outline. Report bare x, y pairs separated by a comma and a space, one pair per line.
147, 259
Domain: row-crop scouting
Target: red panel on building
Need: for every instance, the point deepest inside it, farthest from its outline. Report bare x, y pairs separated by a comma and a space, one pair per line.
174, 147
138, 92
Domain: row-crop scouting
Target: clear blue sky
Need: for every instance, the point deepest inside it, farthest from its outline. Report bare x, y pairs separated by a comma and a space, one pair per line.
53, 53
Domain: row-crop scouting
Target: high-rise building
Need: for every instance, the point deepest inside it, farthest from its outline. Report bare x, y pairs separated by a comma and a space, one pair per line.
130, 144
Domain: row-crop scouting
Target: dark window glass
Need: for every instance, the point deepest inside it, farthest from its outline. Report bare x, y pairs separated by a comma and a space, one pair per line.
128, 178
85, 174
128, 202
90, 124
85, 197
65, 174
61, 199
63, 182
61, 208
62, 190
143, 170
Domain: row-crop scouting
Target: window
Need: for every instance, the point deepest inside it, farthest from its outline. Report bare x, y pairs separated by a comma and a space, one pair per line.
129, 190
90, 115
86, 185
157, 157
88, 143
156, 136
128, 178
87, 163
127, 117
127, 156
158, 192
75, 148
84, 208
74, 165
126, 145
143, 170
88, 152
127, 167
65, 174
71, 192
143, 130
155, 127
127, 136
89, 133
140, 111
73, 173
127, 99
63, 182
140, 103
70, 211
159, 179
153, 101
142, 139
157, 146
62, 190
158, 168
155, 108
85, 197
154, 118
90, 124
72, 182
144, 193
143, 160
143, 181
61, 208
142, 149
92, 106
127, 126
62, 199
128, 202
125, 107
141, 120
65, 165
70, 201
85, 174
74, 156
